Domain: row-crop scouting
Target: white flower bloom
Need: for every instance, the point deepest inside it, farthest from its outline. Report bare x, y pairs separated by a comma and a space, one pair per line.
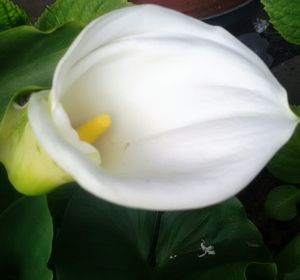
195, 114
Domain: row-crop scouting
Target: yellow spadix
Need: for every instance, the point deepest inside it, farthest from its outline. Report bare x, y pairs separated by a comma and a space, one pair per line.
94, 128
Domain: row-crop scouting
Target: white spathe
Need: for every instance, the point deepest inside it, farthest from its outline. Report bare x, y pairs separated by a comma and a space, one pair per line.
195, 114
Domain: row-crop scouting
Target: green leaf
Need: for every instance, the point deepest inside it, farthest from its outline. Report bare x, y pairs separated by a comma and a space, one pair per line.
261, 271
281, 203
25, 240
285, 165
58, 201
237, 244
11, 15
81, 11
102, 240
28, 58
7, 192
284, 15
288, 261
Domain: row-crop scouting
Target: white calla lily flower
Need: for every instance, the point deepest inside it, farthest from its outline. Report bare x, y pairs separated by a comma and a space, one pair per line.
195, 114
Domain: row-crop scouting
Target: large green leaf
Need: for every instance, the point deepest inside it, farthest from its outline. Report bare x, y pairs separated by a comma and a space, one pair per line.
99, 240
25, 240
11, 15
288, 261
82, 11
237, 245
281, 203
285, 165
28, 58
284, 15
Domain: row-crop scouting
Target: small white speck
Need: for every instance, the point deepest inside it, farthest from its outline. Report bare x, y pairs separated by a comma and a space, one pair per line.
173, 257
260, 25
255, 245
206, 250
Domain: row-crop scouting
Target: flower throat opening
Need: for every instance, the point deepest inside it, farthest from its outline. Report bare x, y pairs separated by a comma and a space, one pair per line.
91, 130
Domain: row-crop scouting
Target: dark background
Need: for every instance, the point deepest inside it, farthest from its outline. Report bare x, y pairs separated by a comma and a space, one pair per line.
33, 7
